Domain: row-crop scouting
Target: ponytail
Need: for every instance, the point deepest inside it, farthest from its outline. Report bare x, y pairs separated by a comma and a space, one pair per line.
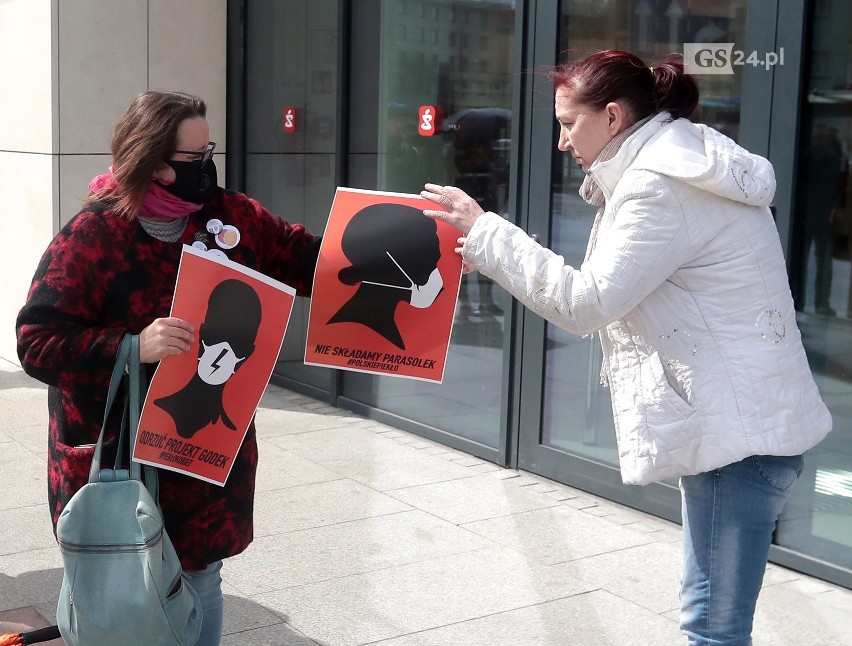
675, 91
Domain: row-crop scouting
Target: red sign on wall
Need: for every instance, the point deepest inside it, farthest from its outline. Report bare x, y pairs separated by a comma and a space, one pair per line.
429, 122
289, 122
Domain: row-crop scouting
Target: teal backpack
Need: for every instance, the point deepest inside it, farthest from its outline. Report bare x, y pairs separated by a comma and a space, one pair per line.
123, 582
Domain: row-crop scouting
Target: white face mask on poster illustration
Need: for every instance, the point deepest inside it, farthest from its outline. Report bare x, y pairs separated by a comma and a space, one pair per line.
217, 363
422, 296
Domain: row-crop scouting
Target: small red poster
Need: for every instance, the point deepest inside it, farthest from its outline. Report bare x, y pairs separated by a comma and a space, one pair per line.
200, 403
385, 287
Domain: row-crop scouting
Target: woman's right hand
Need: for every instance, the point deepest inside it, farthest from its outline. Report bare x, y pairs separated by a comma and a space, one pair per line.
165, 337
457, 207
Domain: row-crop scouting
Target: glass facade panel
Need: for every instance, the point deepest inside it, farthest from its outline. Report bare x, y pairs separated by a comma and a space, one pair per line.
577, 414
456, 57
292, 63
818, 519
459, 56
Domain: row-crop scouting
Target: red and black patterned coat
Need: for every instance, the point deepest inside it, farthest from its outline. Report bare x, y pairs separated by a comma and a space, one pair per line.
103, 276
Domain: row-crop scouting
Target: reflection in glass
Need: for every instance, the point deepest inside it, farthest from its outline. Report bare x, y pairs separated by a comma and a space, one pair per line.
818, 519
442, 110
577, 413
292, 61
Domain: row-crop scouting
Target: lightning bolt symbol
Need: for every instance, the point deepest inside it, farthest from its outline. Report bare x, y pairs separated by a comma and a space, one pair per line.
215, 364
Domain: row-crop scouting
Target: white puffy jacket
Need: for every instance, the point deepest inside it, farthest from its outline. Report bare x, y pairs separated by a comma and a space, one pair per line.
688, 288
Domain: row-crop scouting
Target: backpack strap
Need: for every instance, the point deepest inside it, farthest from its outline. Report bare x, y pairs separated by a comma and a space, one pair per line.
114, 382
126, 360
138, 387
134, 370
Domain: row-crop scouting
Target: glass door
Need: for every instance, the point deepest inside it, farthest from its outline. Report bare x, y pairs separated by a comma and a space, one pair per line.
817, 522
290, 136
566, 426
448, 64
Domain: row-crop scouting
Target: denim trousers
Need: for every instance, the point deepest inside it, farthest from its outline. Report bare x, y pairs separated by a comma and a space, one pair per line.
729, 516
208, 584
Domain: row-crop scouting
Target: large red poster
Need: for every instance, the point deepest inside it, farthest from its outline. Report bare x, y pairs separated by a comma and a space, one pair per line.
385, 288
200, 403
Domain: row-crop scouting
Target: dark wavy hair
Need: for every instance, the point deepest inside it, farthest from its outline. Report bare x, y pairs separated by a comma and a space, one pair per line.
615, 75
145, 136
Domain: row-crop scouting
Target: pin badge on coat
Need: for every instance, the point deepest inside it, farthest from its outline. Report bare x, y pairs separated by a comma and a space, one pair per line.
227, 236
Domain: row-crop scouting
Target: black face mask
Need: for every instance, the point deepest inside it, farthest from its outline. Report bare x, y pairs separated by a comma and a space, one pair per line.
194, 181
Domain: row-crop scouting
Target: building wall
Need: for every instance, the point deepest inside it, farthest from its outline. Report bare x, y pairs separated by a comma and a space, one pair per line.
68, 69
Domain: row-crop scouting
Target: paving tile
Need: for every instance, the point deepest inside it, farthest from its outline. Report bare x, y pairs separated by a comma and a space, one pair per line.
468, 461
485, 467
420, 596
25, 528
333, 551
543, 488
582, 501
447, 452
271, 423
23, 408
29, 578
652, 525
23, 477
419, 444
598, 618
387, 470
278, 469
532, 480
341, 443
506, 474
776, 574
818, 591
788, 616
647, 575
318, 504
438, 450
557, 534
33, 438
372, 459
280, 634
471, 499
11, 596
19, 460
394, 434
242, 614
277, 397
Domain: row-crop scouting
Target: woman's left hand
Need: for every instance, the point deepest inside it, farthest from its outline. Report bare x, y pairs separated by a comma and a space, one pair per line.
458, 208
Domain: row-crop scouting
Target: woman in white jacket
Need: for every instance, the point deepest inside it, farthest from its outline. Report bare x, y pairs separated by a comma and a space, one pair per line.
684, 279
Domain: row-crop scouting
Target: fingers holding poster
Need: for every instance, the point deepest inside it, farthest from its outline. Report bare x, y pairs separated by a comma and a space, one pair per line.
385, 287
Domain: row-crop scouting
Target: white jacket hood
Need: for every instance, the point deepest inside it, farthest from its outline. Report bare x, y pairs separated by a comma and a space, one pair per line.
695, 154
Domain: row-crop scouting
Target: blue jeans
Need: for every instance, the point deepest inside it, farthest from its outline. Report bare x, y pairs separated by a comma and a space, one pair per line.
729, 516
208, 584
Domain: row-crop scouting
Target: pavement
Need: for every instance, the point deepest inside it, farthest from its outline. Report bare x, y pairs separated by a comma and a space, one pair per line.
366, 534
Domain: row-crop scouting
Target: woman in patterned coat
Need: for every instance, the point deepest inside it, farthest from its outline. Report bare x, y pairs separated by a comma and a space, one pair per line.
112, 270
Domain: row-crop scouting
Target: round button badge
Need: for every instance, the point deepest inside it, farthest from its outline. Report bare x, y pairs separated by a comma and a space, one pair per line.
228, 237
214, 225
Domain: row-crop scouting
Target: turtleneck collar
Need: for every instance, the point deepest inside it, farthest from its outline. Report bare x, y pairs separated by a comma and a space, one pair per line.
590, 190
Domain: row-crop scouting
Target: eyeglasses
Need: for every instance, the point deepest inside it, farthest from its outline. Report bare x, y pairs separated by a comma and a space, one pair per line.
202, 156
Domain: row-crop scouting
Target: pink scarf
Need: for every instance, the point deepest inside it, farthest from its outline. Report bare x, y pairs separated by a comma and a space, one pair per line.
158, 202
